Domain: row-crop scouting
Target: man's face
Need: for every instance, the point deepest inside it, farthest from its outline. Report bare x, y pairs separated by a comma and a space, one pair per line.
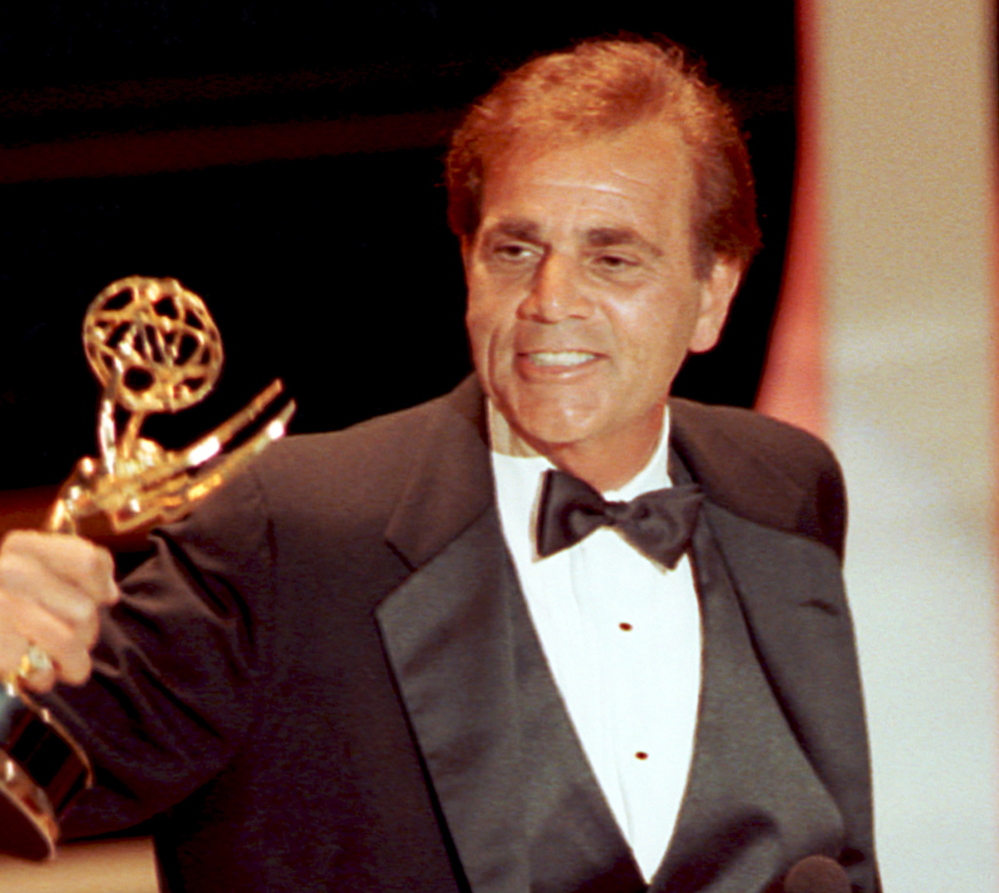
582, 298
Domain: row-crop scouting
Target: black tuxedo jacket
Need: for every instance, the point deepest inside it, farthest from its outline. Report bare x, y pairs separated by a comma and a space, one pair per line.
317, 682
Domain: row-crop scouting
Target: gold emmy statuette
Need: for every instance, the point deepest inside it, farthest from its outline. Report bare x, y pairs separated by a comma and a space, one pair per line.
154, 348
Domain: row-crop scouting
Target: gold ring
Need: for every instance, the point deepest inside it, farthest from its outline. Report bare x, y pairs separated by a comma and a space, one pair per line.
34, 661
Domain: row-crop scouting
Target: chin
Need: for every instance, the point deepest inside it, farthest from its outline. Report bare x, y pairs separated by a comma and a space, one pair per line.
552, 429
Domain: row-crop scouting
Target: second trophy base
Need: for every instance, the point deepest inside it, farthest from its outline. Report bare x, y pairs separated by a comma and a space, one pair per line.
41, 769
29, 828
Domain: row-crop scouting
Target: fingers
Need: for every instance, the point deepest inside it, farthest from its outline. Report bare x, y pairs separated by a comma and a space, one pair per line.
78, 562
51, 589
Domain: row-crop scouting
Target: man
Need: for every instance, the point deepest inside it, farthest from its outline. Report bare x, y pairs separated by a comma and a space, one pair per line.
383, 660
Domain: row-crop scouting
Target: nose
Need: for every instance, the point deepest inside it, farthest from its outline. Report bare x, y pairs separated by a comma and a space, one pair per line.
556, 293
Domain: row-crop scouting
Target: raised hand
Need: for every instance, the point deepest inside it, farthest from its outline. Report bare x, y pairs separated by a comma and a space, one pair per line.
52, 587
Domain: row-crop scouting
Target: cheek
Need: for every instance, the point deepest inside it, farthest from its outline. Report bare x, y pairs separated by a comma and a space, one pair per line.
486, 329
659, 337
478, 337
489, 311
476, 310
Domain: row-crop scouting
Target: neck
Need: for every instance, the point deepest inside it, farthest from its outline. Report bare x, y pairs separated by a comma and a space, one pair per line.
604, 470
606, 464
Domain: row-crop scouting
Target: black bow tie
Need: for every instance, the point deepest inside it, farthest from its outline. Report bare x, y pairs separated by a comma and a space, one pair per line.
659, 524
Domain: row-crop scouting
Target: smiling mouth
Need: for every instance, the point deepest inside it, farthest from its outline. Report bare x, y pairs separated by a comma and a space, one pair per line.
561, 357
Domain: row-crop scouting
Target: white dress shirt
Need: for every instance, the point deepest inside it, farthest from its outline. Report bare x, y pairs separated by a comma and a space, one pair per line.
622, 635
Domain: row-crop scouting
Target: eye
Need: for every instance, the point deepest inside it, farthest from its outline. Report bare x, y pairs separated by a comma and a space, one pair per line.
513, 252
615, 262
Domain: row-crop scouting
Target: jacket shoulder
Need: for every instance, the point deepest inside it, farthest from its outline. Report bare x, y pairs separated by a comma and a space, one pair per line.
762, 470
360, 477
366, 464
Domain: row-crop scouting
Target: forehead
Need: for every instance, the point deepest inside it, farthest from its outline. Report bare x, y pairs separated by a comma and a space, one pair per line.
641, 177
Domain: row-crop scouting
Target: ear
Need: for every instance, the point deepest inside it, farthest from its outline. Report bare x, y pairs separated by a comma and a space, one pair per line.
465, 242
717, 291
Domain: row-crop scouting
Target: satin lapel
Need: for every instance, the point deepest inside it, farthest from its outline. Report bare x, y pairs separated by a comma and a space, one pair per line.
787, 576
779, 675
451, 484
520, 803
521, 806
791, 595
448, 634
790, 589
754, 803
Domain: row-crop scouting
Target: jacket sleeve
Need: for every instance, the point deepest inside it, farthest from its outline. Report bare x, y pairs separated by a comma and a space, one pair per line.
172, 694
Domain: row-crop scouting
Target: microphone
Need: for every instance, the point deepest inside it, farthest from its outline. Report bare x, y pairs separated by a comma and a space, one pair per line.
817, 874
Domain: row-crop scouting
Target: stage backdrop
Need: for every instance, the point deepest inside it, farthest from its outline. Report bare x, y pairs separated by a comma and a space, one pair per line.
886, 344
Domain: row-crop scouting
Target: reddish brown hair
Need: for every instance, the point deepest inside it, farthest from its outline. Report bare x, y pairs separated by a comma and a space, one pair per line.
603, 86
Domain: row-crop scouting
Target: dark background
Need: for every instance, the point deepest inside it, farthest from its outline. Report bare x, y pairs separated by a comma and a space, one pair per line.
283, 160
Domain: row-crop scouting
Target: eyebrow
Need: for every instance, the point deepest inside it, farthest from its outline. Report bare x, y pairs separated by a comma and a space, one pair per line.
597, 237
526, 230
609, 236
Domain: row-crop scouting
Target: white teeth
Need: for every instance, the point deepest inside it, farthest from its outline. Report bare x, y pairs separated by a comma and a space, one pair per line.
561, 358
